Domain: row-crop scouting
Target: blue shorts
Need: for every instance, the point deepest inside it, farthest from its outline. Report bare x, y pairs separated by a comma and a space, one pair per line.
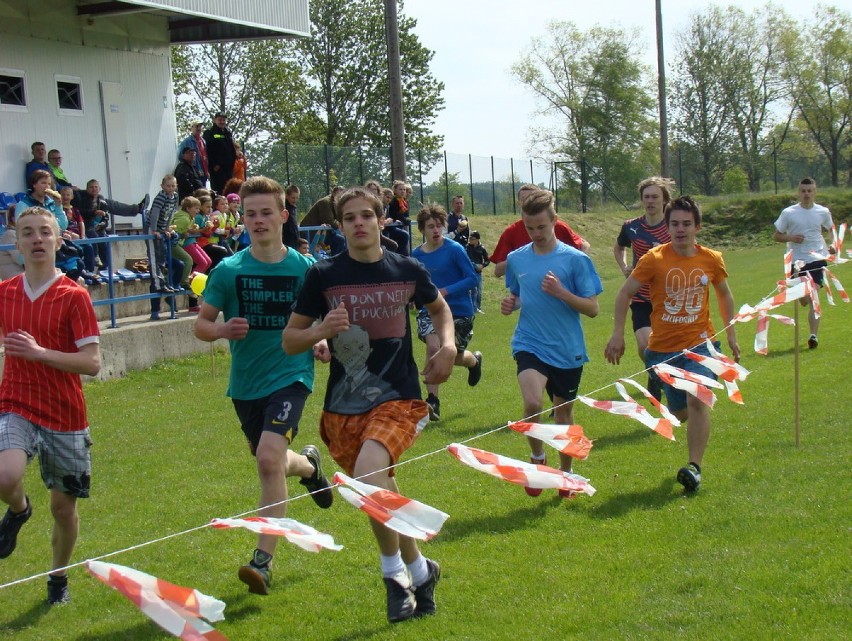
675, 398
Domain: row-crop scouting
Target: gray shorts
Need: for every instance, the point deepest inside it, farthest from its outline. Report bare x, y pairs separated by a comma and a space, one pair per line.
64, 457
463, 328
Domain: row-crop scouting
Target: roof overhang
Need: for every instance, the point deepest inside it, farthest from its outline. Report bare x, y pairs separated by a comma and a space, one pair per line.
198, 21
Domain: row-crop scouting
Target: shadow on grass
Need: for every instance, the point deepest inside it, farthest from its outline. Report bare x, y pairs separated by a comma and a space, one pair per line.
624, 438
26, 619
377, 633
461, 528
650, 499
144, 631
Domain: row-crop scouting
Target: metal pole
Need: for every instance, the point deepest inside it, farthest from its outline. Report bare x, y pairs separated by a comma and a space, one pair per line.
420, 171
532, 178
287, 161
470, 176
361, 163
493, 189
446, 182
775, 163
327, 171
555, 166
395, 87
661, 92
680, 166
512, 169
584, 186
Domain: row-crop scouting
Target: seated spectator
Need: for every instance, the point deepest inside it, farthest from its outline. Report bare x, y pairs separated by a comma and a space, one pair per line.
397, 223
185, 225
206, 229
195, 141
232, 187
323, 211
11, 260
39, 161
91, 200
54, 160
375, 187
77, 227
188, 177
40, 183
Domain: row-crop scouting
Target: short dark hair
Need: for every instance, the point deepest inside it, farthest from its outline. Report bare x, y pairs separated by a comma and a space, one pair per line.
37, 175
360, 192
807, 180
36, 144
684, 203
292, 189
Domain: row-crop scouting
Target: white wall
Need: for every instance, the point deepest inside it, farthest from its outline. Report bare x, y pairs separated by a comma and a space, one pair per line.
131, 50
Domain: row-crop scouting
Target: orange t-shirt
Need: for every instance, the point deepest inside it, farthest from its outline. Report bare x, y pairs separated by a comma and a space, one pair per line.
680, 295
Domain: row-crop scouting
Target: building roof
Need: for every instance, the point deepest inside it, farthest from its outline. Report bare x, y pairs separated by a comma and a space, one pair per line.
197, 21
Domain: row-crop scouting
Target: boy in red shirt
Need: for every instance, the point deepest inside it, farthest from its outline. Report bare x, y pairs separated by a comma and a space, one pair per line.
50, 334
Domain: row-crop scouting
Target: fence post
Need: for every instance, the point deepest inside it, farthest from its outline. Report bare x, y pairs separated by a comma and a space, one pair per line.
584, 186
775, 164
420, 171
556, 185
287, 162
361, 163
532, 178
327, 171
680, 167
446, 182
512, 170
470, 176
493, 189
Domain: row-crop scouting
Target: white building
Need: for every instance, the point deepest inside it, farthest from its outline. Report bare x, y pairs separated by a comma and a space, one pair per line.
93, 79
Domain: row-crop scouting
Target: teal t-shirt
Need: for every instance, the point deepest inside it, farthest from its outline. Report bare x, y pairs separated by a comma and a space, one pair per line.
264, 294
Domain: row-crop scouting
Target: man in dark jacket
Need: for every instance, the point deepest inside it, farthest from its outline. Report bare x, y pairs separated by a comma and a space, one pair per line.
221, 152
188, 177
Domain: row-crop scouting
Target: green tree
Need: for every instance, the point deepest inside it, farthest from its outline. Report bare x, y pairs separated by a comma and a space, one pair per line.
818, 72
593, 82
345, 63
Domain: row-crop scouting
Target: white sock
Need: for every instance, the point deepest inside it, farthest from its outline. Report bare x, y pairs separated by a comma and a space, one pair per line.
392, 565
538, 459
419, 570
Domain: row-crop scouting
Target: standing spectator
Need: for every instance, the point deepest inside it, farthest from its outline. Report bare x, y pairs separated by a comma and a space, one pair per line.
240, 164
554, 284
372, 412
291, 227
642, 234
453, 274
455, 216
516, 236
680, 274
397, 225
159, 226
196, 141
801, 226
188, 177
54, 160
221, 152
268, 387
50, 334
39, 161
479, 257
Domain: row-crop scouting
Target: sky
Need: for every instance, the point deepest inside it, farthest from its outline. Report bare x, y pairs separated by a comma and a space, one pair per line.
487, 111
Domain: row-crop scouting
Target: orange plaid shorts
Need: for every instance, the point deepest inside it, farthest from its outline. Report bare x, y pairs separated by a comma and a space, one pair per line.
394, 424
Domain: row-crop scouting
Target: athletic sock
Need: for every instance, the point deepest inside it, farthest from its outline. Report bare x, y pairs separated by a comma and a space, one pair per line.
419, 570
392, 565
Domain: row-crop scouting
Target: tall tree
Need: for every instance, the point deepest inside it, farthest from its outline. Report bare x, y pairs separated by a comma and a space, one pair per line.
593, 82
818, 70
344, 61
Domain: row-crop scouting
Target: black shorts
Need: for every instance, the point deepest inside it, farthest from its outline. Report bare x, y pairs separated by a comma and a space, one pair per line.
280, 413
814, 269
641, 312
561, 383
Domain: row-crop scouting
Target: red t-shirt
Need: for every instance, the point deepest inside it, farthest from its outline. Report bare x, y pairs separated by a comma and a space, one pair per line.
59, 316
515, 236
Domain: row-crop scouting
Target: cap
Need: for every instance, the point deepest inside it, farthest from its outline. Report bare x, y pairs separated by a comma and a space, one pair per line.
233, 198
474, 234
196, 121
188, 148
220, 114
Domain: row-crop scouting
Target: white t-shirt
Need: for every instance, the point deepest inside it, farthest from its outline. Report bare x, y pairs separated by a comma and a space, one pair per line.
810, 223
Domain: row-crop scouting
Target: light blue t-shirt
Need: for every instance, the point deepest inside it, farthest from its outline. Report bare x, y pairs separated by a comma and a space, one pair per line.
547, 327
451, 269
264, 294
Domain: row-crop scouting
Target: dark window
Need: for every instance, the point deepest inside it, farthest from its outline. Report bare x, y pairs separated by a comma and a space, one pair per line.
70, 95
12, 91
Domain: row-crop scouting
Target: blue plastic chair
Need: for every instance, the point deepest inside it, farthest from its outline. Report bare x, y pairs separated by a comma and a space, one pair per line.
6, 200
20, 196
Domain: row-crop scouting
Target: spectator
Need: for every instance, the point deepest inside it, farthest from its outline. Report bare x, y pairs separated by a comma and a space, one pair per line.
221, 152
397, 219
77, 229
233, 186
91, 201
39, 161
291, 227
234, 221
184, 223
11, 260
159, 226
323, 211
54, 161
39, 184
207, 228
479, 257
455, 216
196, 141
188, 177
239, 163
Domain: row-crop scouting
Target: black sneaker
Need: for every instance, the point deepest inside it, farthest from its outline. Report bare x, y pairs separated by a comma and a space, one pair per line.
317, 485
143, 204
10, 526
425, 592
655, 387
434, 407
475, 372
401, 602
689, 477
57, 590
813, 341
257, 577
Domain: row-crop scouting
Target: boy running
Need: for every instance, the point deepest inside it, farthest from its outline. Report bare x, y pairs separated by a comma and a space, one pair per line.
255, 289
453, 274
373, 410
50, 334
555, 284
679, 275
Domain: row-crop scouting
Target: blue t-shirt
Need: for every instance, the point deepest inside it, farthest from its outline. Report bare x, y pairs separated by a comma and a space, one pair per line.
264, 294
547, 327
450, 268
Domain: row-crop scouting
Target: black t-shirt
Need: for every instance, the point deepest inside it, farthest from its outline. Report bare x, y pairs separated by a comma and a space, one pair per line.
372, 362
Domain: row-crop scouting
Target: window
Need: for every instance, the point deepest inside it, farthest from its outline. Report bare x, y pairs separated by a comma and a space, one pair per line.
13, 90
69, 95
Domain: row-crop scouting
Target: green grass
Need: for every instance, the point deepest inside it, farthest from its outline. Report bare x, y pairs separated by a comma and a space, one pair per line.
762, 552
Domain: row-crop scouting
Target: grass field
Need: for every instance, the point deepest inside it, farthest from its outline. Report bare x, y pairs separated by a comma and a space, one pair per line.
761, 552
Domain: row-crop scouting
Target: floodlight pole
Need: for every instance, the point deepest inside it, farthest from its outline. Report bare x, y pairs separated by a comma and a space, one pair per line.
397, 127
661, 91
